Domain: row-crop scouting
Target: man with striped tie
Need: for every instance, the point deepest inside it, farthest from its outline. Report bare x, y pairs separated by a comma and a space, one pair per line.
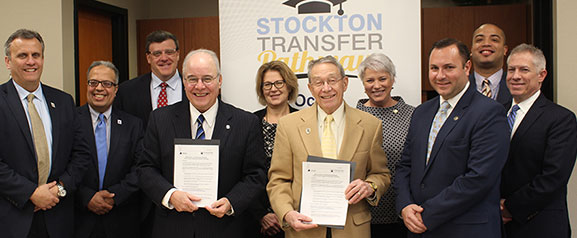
241, 156
331, 129
542, 152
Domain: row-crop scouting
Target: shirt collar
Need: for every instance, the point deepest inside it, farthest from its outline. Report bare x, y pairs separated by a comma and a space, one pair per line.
338, 114
209, 115
94, 114
172, 82
454, 100
494, 78
524, 106
23, 93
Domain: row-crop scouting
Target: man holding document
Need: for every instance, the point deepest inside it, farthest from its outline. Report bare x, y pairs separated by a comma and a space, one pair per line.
333, 130
239, 161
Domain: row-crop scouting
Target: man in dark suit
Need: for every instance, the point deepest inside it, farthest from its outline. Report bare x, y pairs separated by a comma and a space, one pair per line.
448, 178
542, 153
107, 200
488, 55
241, 156
42, 153
161, 87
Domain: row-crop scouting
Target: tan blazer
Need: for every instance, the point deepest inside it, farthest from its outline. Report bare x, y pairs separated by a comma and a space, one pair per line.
297, 137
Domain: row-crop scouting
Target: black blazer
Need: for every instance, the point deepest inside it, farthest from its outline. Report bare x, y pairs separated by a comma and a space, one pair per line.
18, 168
120, 178
504, 96
241, 169
534, 180
133, 97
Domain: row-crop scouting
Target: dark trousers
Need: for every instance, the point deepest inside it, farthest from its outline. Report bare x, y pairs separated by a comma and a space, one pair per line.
38, 228
393, 230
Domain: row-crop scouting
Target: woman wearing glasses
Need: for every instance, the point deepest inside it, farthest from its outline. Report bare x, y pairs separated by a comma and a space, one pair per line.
377, 72
276, 86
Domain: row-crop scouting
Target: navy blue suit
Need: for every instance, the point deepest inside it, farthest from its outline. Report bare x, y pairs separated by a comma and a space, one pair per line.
241, 169
459, 187
504, 96
18, 168
120, 178
541, 158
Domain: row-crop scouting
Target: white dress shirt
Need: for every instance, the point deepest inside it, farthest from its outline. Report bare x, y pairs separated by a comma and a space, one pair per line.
524, 107
495, 80
173, 89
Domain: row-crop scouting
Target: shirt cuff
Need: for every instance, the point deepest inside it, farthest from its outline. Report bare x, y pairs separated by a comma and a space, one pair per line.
231, 211
166, 199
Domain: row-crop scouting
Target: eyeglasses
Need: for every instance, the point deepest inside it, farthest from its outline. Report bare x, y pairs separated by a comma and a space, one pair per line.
320, 83
207, 80
277, 84
106, 84
158, 53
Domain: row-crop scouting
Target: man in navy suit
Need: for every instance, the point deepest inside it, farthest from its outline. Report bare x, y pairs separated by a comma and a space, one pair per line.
42, 153
448, 178
107, 200
241, 157
488, 52
542, 153
161, 87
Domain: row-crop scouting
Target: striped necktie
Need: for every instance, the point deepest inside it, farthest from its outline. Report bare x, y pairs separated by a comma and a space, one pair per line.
511, 117
438, 122
199, 129
328, 143
487, 88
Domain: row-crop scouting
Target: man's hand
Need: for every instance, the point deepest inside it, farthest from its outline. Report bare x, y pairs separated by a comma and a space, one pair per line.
357, 191
270, 225
100, 202
219, 208
182, 201
43, 198
505, 214
413, 219
296, 221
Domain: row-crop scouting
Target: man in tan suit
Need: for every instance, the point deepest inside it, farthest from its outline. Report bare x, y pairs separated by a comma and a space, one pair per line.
356, 136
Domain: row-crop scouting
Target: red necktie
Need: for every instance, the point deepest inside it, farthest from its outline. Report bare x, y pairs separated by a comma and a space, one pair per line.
162, 101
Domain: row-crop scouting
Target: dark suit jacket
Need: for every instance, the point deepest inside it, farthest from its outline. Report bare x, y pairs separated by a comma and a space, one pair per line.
541, 158
18, 168
459, 187
121, 177
504, 96
133, 97
241, 169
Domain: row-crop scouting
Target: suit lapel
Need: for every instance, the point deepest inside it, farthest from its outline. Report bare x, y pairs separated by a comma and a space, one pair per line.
309, 132
222, 125
145, 87
117, 129
86, 122
54, 117
17, 110
181, 121
352, 135
531, 117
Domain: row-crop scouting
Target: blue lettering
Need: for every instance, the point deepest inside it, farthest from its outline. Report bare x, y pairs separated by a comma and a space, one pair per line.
276, 24
325, 24
300, 103
341, 18
263, 27
297, 25
309, 30
376, 22
310, 101
352, 23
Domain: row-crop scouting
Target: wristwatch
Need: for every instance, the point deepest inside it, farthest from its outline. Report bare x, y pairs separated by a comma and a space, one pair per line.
61, 190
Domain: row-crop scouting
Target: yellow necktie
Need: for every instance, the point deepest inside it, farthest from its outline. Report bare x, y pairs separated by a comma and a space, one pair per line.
328, 144
40, 142
486, 90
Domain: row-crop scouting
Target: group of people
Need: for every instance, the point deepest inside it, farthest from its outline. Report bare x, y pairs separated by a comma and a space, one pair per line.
489, 157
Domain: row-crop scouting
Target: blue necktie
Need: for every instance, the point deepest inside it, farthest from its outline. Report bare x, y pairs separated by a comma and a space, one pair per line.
511, 117
101, 148
438, 122
199, 129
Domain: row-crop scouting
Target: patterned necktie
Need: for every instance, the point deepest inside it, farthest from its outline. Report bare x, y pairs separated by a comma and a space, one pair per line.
101, 148
40, 142
199, 129
511, 117
162, 100
487, 88
438, 122
328, 144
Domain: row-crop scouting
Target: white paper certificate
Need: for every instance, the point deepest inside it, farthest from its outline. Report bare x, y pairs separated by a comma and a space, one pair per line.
196, 169
323, 192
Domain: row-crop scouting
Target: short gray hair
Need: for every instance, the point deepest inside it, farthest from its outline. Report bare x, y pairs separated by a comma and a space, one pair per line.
378, 62
327, 59
103, 63
538, 58
209, 52
22, 34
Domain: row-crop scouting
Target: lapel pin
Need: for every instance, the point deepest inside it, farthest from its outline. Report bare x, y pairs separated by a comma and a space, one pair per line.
227, 127
52, 105
308, 131
455, 118
119, 122
395, 111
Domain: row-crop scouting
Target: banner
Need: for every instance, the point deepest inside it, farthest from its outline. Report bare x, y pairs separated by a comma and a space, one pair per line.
253, 32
